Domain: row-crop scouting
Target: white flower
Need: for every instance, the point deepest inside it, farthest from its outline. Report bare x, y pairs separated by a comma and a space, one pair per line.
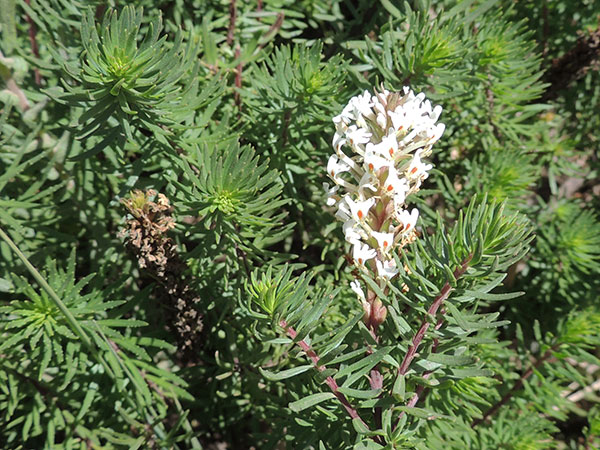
343, 213
357, 136
382, 120
437, 132
367, 181
400, 195
361, 253
385, 136
338, 140
386, 269
335, 166
352, 233
416, 169
342, 120
374, 162
384, 240
387, 148
362, 105
395, 186
331, 200
355, 286
360, 209
403, 119
435, 115
407, 220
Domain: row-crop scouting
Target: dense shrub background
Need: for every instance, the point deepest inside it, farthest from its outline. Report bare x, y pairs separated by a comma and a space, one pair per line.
126, 318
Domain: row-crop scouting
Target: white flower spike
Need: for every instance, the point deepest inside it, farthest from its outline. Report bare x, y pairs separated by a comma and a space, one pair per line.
379, 144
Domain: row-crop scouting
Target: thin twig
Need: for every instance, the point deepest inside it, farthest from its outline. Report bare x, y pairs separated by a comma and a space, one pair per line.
34, 45
419, 390
238, 80
418, 338
432, 311
352, 412
232, 18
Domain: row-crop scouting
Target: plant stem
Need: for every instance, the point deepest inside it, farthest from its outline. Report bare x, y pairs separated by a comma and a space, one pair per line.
352, 412
432, 311
232, 17
418, 338
34, 45
57, 301
420, 388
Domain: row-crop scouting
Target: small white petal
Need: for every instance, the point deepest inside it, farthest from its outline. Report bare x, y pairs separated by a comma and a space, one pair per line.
335, 166
361, 253
355, 286
386, 269
384, 240
395, 185
407, 220
417, 169
360, 209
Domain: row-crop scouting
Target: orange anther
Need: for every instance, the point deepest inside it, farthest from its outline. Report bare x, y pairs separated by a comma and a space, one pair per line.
414, 169
360, 214
371, 167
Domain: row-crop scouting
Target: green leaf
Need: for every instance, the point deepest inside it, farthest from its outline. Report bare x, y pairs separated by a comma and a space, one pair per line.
467, 373
399, 388
358, 393
284, 374
450, 360
311, 400
423, 413
359, 426
362, 367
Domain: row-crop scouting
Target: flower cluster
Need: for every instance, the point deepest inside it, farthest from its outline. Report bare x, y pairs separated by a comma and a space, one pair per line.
379, 144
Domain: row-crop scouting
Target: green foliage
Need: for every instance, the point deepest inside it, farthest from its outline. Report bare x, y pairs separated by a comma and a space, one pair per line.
133, 84
488, 337
235, 196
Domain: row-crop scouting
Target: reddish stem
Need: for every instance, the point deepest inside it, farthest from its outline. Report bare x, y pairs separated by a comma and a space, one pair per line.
432, 311
232, 18
34, 45
419, 390
352, 412
238, 80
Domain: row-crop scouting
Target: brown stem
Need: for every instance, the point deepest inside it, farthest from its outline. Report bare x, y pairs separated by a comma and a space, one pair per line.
518, 386
432, 311
287, 116
352, 412
232, 18
272, 29
419, 390
412, 350
34, 45
238, 80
